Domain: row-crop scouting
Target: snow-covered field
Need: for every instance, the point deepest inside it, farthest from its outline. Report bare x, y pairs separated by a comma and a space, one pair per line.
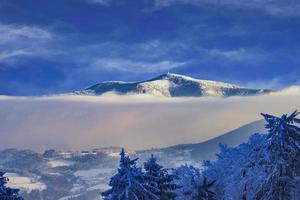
25, 183
78, 176
93, 173
60, 163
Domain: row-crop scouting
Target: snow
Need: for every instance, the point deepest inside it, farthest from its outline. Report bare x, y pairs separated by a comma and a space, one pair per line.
207, 83
112, 82
54, 173
24, 183
92, 174
169, 85
69, 197
101, 187
91, 179
60, 163
266, 167
162, 86
114, 155
156, 88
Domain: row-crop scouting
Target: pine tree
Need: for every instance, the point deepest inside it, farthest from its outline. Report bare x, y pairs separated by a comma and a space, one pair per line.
282, 162
264, 168
204, 190
159, 178
129, 183
7, 193
192, 184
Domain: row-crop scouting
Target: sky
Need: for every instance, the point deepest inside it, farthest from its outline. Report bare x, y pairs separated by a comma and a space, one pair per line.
58, 46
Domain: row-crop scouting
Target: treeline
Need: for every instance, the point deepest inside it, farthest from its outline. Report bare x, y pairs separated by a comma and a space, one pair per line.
156, 182
267, 167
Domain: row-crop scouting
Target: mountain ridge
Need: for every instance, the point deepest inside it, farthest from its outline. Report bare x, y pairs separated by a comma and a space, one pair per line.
172, 85
207, 149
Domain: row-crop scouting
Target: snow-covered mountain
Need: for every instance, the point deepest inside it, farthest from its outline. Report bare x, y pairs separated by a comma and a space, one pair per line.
172, 85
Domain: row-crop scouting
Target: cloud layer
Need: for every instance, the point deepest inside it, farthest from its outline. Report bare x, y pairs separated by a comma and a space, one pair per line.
272, 7
135, 122
21, 41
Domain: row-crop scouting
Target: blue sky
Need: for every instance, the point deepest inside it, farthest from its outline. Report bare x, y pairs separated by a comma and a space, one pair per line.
64, 45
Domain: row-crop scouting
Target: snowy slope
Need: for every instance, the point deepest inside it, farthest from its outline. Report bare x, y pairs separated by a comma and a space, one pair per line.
24, 183
207, 150
172, 85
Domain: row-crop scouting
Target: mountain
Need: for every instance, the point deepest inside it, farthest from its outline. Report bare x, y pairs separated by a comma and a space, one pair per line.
172, 85
207, 150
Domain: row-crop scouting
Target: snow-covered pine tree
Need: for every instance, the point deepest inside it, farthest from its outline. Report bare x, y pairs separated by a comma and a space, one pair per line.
204, 190
129, 183
7, 193
282, 163
264, 168
185, 176
192, 185
159, 178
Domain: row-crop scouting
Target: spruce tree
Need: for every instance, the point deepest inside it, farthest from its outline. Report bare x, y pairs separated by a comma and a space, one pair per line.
129, 183
159, 178
282, 163
193, 185
204, 190
7, 193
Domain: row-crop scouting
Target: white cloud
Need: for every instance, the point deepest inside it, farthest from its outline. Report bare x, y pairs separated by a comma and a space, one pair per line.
134, 66
273, 7
273, 83
292, 90
5, 55
18, 41
136, 122
288, 9
239, 55
101, 2
13, 33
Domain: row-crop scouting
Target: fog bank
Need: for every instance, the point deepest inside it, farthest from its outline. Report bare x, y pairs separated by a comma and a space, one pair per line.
81, 122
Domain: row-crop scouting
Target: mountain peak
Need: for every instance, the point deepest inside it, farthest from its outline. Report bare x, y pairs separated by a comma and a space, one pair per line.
169, 75
172, 85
